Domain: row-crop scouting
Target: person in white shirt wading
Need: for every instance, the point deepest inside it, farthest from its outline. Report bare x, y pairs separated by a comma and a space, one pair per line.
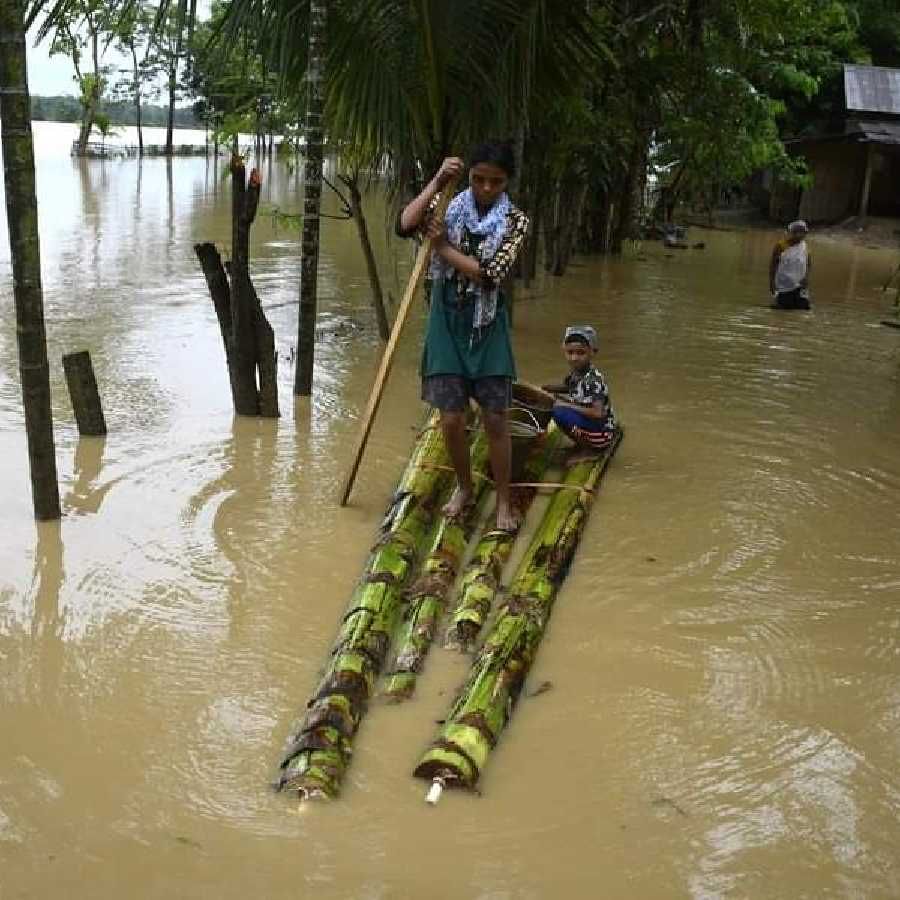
789, 269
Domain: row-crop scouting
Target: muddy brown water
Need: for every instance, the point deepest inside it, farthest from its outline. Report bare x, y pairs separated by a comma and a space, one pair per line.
724, 719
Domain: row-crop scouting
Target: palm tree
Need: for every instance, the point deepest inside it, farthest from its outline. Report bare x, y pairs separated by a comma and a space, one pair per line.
312, 198
405, 82
22, 221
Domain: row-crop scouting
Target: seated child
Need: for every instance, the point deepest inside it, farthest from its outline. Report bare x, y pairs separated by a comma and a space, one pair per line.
583, 412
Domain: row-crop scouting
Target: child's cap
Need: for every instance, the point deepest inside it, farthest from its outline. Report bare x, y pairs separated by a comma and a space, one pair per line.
585, 332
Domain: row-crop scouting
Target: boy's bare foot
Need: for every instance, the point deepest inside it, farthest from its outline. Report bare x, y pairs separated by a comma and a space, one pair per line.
458, 502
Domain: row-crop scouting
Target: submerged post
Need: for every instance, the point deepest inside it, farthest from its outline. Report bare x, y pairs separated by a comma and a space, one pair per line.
84, 394
866, 183
24, 244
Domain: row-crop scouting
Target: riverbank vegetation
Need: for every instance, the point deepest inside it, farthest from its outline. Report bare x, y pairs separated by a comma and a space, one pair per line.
67, 108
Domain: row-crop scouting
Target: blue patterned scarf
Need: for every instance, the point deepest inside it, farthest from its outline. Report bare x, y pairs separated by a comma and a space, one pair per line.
462, 216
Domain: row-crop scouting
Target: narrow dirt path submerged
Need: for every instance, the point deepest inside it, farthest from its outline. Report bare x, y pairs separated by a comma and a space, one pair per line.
724, 657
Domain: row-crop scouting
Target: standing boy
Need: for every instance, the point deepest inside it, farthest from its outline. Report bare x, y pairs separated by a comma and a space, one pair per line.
468, 353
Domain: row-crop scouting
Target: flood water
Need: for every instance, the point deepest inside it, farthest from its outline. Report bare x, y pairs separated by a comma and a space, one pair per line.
724, 719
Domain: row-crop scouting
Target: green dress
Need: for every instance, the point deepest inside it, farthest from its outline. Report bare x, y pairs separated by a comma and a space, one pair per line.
452, 347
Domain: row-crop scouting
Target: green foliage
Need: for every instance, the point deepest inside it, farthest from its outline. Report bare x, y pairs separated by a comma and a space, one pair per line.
878, 23
119, 112
702, 91
231, 83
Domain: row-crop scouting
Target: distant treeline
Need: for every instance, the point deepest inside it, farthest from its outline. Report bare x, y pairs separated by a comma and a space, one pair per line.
68, 109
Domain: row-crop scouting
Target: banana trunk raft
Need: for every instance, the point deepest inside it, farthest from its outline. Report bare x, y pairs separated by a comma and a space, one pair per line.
474, 724
315, 762
481, 580
427, 595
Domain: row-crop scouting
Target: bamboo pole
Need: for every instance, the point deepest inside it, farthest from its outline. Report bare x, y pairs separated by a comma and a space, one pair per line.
317, 758
481, 580
427, 595
25, 252
473, 726
387, 358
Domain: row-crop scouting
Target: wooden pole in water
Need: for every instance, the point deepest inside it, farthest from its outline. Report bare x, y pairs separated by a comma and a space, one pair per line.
387, 359
84, 394
866, 184
25, 251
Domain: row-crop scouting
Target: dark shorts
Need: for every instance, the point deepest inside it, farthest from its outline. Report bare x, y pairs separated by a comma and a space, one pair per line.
796, 299
451, 393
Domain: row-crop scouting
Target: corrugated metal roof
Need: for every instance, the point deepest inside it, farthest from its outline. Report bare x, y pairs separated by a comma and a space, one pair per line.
872, 89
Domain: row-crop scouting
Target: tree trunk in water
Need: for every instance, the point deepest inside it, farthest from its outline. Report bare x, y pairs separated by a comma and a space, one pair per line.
316, 760
312, 195
384, 327
84, 394
568, 229
631, 198
92, 101
173, 77
532, 246
244, 201
25, 252
477, 719
551, 226
220, 292
137, 99
515, 191
170, 119
84, 130
87, 118
246, 333
266, 359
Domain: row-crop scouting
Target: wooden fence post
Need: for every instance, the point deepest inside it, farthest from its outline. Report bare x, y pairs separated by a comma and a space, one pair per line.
84, 394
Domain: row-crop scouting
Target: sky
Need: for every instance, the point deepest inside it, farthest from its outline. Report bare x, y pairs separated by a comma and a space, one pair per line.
46, 76
49, 76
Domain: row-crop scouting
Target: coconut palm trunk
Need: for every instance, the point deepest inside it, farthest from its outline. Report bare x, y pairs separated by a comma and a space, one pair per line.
474, 724
312, 199
318, 756
481, 580
22, 222
137, 91
427, 595
174, 62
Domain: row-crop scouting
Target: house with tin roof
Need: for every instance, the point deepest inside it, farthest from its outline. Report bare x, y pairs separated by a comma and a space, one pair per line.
855, 171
